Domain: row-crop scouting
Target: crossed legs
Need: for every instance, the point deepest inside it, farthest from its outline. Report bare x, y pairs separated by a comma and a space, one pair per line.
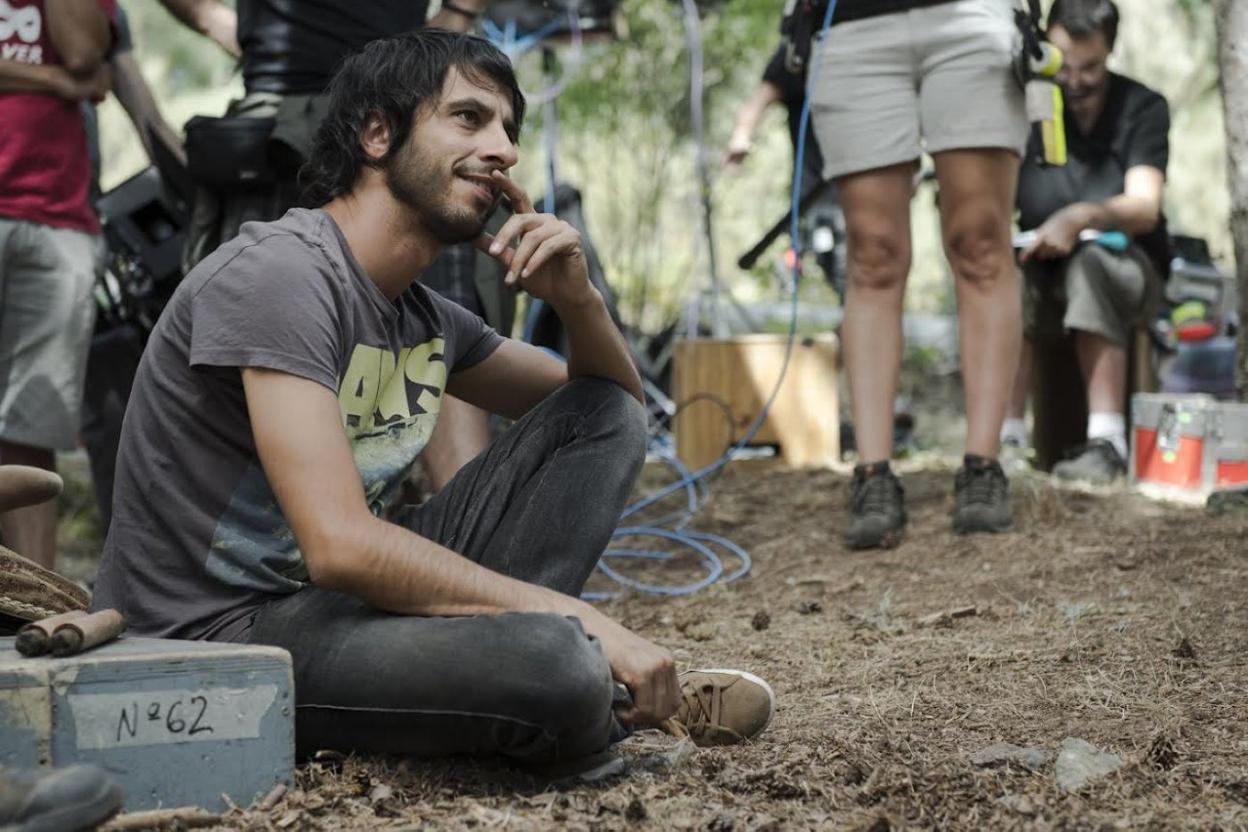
539, 504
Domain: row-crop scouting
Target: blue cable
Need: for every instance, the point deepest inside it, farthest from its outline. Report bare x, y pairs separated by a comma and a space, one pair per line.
692, 481
513, 45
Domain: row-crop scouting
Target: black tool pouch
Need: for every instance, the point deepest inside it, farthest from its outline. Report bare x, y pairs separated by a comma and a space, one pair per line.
798, 27
230, 152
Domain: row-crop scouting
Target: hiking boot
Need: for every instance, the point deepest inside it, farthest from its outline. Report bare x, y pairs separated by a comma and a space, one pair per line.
981, 500
877, 511
723, 707
1097, 462
57, 800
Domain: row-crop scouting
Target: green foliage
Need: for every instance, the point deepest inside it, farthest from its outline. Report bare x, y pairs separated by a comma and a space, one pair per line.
179, 60
626, 131
647, 73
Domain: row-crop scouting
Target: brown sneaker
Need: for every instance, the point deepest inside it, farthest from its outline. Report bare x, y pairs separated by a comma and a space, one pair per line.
723, 707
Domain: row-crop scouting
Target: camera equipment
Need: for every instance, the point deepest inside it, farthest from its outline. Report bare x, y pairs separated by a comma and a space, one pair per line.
145, 220
798, 26
230, 151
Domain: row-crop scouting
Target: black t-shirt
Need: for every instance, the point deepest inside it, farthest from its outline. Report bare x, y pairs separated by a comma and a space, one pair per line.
1132, 130
793, 95
294, 46
847, 10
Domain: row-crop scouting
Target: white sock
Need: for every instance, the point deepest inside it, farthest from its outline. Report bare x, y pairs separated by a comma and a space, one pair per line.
1111, 427
1014, 431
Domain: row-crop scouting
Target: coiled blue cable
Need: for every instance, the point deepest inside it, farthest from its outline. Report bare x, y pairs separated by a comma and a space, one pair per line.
691, 481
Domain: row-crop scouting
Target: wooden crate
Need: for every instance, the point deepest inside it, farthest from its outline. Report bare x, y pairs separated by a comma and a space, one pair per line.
739, 373
178, 723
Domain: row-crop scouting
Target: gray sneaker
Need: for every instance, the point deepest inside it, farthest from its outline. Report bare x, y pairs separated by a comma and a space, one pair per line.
981, 497
877, 510
1097, 462
57, 800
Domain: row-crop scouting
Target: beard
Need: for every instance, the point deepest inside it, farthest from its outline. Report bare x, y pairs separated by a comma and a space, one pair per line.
416, 183
1085, 93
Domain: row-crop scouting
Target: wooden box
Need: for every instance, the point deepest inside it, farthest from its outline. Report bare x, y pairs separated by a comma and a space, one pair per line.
178, 723
715, 377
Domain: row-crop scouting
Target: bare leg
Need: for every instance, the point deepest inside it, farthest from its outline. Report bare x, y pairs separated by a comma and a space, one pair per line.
976, 202
1104, 366
877, 219
31, 531
462, 432
1022, 383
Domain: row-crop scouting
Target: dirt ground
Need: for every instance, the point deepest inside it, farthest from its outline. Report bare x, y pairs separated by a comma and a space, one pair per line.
1104, 617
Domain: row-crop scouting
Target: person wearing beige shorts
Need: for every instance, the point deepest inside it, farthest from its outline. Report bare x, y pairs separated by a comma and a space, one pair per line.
894, 79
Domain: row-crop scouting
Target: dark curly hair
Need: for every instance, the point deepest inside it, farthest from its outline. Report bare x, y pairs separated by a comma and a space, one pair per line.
395, 77
1082, 18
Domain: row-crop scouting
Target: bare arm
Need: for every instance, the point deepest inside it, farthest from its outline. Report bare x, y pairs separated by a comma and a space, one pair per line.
1136, 210
80, 32
748, 117
136, 98
49, 79
211, 18
547, 262
595, 346
298, 432
518, 375
511, 381
456, 21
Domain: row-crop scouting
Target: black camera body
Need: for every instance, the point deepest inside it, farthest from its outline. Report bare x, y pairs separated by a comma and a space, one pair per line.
142, 220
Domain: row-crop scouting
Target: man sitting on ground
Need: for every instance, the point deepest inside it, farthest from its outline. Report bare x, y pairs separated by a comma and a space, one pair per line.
293, 379
1117, 147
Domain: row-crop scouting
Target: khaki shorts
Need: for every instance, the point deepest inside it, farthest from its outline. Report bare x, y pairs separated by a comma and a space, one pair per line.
1093, 290
933, 78
46, 316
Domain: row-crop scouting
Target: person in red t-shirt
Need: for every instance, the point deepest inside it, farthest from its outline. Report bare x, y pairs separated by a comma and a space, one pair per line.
52, 56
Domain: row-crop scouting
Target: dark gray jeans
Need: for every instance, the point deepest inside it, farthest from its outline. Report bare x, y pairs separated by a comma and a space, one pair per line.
539, 505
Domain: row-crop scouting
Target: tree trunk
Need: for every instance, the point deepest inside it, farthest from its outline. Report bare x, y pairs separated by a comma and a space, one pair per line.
1232, 25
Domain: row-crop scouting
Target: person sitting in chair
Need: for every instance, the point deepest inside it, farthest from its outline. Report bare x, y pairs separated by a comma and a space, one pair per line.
1117, 152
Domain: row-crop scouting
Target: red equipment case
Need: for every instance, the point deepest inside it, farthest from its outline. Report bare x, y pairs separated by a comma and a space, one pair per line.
1187, 446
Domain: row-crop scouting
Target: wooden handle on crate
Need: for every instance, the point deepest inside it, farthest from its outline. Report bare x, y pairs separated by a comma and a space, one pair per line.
22, 485
35, 638
80, 634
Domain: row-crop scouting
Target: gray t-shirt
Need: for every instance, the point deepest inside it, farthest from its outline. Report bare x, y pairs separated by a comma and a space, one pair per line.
198, 541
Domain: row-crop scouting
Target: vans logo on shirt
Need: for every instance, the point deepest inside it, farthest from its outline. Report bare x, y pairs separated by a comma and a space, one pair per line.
379, 388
